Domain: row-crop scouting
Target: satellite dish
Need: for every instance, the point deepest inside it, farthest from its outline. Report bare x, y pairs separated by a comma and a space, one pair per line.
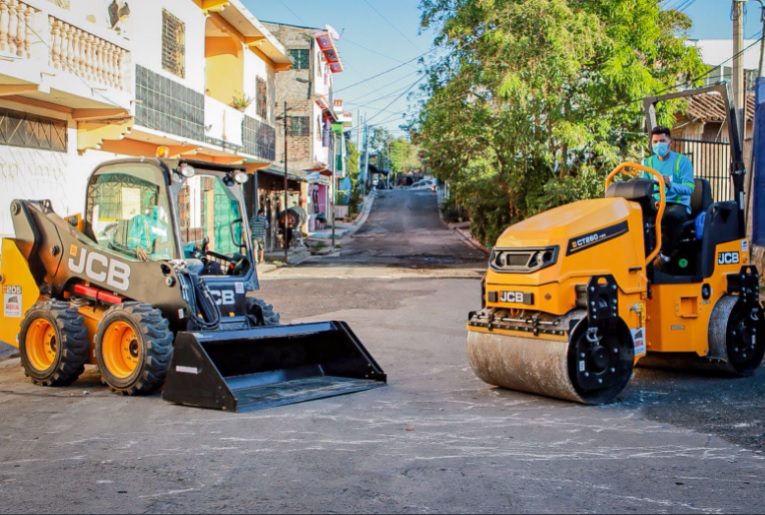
332, 32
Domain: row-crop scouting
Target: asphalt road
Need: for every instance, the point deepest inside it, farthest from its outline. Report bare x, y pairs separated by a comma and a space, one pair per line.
436, 439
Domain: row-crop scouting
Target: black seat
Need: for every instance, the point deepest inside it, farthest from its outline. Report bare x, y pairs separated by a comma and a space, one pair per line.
640, 191
701, 199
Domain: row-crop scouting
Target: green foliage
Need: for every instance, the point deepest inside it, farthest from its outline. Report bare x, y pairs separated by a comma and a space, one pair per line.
352, 165
535, 101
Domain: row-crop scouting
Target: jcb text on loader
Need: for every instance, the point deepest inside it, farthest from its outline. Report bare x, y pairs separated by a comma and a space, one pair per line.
155, 285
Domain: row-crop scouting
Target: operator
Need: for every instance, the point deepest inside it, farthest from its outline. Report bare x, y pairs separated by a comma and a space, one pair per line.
677, 172
145, 231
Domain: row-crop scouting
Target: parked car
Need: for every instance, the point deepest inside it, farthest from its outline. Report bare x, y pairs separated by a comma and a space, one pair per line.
424, 184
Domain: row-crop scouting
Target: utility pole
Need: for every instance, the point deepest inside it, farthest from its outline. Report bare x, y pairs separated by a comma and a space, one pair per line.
739, 88
332, 192
366, 155
284, 208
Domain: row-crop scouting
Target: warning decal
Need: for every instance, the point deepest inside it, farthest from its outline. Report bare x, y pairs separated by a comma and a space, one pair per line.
638, 337
12, 301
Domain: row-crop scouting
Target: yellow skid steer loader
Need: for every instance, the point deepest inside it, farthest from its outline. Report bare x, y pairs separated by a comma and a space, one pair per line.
155, 284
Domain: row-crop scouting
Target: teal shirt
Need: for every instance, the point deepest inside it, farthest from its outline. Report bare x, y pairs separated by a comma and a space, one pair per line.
680, 169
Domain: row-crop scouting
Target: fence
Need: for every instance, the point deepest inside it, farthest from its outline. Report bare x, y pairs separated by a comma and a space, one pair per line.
711, 161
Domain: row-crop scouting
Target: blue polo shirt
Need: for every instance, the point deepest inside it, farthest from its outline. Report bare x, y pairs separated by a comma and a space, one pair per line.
680, 169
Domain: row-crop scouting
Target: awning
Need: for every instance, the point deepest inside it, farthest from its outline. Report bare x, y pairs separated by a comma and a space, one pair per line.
327, 46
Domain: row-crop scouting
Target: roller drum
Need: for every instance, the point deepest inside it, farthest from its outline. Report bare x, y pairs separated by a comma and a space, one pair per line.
591, 367
525, 364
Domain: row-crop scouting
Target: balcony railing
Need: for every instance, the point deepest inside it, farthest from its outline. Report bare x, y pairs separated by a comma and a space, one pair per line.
100, 60
168, 106
223, 124
259, 138
85, 54
16, 21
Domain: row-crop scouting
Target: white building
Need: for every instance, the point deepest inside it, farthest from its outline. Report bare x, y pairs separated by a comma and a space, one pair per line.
83, 81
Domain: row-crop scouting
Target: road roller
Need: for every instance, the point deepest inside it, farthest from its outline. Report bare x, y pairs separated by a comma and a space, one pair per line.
572, 301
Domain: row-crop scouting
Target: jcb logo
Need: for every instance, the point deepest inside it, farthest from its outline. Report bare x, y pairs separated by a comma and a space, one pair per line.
727, 258
224, 298
512, 296
100, 268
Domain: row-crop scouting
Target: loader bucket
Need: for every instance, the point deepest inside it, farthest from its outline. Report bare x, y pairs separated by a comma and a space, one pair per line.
249, 369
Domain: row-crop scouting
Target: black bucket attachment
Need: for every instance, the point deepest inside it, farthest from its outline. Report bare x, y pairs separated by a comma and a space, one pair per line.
263, 367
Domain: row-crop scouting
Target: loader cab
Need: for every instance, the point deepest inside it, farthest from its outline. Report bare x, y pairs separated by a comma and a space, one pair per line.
160, 210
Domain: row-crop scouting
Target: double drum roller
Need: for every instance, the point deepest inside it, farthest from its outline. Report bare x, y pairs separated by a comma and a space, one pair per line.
572, 301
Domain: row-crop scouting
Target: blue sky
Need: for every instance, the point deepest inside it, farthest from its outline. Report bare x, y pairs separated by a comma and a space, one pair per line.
379, 36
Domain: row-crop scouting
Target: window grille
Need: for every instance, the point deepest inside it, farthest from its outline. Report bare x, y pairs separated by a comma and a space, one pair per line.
299, 126
19, 129
173, 45
262, 98
300, 58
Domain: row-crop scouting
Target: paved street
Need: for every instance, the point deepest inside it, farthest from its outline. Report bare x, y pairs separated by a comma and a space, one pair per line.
436, 439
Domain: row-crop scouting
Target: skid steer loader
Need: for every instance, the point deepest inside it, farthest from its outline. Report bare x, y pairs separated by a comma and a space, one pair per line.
572, 300
155, 285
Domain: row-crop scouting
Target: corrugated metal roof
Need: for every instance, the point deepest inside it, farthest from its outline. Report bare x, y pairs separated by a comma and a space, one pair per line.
711, 108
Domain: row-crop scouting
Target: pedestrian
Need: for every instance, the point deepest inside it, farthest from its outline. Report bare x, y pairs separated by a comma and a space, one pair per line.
677, 172
259, 226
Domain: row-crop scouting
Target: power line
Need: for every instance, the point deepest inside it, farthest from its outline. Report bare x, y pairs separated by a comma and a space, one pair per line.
396, 99
296, 15
386, 71
373, 51
392, 25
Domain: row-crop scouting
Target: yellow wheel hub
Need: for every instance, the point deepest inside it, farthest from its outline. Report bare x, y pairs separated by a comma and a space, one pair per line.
121, 349
41, 344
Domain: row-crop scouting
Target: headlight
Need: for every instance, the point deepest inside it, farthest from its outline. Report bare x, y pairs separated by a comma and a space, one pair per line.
241, 177
187, 170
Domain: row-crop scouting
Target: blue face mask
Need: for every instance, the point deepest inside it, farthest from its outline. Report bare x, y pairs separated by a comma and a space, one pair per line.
660, 149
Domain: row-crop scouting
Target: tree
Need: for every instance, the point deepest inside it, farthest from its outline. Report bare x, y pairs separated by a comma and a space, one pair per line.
536, 100
404, 157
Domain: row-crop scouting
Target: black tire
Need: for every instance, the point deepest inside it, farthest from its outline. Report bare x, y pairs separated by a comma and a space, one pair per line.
133, 348
736, 336
270, 317
53, 343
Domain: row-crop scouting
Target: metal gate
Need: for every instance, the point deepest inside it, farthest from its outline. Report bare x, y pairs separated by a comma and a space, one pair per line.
711, 161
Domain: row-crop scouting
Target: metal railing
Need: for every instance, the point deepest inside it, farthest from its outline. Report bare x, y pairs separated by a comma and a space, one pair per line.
259, 138
711, 161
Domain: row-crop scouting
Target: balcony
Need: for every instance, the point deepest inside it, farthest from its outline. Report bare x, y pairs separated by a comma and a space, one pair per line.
223, 125
51, 55
259, 139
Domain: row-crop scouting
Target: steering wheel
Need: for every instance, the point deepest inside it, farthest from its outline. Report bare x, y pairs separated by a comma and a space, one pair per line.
635, 169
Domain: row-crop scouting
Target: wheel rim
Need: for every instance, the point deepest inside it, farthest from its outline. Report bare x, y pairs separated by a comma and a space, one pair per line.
41, 344
121, 349
600, 364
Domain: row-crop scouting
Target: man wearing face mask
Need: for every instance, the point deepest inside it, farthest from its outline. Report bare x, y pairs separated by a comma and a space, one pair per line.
677, 172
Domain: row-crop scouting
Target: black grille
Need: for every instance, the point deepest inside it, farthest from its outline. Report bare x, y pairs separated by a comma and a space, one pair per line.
523, 260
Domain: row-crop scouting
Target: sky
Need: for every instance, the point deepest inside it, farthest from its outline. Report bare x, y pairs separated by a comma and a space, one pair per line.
381, 42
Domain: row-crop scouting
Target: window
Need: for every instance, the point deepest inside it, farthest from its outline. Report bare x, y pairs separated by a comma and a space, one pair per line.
128, 209
299, 126
262, 98
299, 57
173, 45
19, 129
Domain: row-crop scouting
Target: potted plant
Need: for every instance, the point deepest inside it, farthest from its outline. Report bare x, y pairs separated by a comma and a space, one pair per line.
240, 101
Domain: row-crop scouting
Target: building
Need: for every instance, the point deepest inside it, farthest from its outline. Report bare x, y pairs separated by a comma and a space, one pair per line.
89, 80
311, 144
